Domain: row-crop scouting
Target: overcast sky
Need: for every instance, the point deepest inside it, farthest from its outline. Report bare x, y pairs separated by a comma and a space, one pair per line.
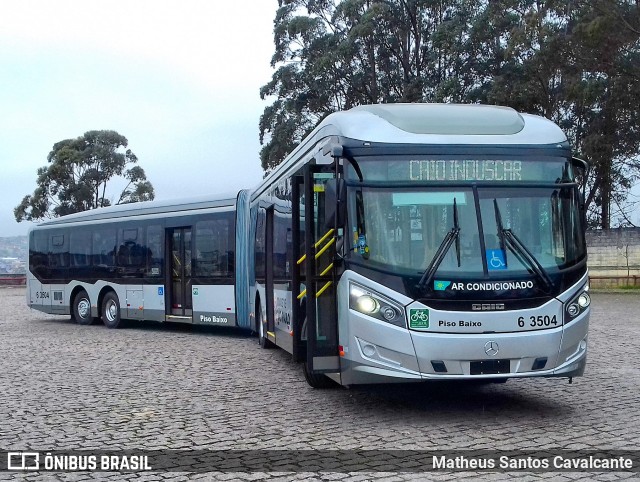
179, 79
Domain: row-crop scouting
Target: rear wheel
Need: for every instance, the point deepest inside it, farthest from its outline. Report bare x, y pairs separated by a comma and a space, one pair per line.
262, 332
82, 308
317, 380
111, 310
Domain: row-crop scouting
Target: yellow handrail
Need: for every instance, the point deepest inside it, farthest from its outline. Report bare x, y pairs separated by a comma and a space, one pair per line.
329, 233
318, 243
326, 270
324, 288
326, 246
318, 254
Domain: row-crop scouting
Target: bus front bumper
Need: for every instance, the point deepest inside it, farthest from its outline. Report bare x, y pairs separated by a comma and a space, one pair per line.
557, 352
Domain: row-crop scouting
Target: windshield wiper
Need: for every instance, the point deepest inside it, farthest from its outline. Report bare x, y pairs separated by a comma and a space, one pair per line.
500, 231
443, 249
524, 255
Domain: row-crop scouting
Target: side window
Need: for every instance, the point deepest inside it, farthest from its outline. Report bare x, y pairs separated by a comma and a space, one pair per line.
260, 244
58, 251
281, 245
80, 249
154, 251
131, 250
214, 255
104, 248
38, 253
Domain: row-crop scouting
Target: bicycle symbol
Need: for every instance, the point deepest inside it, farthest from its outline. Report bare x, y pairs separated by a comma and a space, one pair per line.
419, 316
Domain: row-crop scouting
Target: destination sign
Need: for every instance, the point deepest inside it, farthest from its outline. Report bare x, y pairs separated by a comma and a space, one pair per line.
451, 169
465, 170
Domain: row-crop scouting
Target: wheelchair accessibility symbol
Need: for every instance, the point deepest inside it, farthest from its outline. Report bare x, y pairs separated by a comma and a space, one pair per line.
495, 259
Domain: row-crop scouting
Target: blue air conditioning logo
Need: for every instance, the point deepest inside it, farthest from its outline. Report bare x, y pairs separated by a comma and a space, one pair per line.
441, 285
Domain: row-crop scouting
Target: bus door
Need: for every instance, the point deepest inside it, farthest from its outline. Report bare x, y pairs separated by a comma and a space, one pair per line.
315, 324
179, 306
269, 283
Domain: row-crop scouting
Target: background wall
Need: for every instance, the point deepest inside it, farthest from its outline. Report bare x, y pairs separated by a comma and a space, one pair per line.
614, 257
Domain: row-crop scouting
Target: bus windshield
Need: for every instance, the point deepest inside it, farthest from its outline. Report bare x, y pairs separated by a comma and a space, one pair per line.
499, 230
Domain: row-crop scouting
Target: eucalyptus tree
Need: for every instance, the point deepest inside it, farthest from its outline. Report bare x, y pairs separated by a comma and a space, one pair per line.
78, 173
576, 63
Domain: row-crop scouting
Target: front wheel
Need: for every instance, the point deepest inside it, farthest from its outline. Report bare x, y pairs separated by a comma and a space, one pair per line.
82, 308
111, 310
317, 380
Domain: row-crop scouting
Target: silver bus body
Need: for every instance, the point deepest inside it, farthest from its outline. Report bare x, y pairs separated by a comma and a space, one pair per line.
461, 254
496, 336
143, 287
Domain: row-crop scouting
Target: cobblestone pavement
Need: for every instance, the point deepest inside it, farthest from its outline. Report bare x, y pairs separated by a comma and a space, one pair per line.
65, 387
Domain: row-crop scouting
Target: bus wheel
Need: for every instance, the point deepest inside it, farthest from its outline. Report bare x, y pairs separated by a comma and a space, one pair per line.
82, 308
262, 336
111, 310
317, 380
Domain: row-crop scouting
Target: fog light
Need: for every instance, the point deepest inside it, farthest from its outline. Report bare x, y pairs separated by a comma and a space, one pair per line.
367, 304
389, 313
584, 300
573, 309
369, 350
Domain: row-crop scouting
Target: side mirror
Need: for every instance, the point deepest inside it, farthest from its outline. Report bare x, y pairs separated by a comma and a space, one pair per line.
335, 203
582, 167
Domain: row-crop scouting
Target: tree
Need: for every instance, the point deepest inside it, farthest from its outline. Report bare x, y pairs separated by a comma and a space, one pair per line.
577, 63
77, 175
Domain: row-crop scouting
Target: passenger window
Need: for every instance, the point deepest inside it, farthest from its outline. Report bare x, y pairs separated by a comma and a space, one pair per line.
80, 248
38, 253
214, 258
58, 252
131, 254
154, 251
104, 248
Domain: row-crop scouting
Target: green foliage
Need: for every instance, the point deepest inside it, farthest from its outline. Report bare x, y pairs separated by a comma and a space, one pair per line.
577, 63
77, 175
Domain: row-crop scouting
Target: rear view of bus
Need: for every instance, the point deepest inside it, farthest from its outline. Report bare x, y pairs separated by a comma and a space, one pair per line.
461, 247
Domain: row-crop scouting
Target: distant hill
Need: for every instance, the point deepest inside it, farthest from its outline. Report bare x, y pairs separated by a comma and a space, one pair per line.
13, 254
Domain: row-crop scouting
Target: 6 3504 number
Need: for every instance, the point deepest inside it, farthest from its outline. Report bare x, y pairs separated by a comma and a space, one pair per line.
538, 321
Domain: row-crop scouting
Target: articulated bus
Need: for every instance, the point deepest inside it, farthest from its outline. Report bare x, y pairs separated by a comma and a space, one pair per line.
396, 243
162, 261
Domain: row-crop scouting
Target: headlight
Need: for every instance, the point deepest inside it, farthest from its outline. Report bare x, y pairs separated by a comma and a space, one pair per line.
373, 304
367, 304
577, 305
584, 300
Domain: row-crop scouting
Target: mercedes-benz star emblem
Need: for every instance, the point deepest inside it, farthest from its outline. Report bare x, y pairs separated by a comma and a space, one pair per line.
491, 348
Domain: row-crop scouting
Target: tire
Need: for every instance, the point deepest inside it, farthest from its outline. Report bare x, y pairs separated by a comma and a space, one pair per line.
317, 380
82, 308
111, 310
262, 336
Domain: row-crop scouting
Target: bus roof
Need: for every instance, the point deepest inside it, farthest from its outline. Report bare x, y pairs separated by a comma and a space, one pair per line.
426, 124
146, 208
443, 124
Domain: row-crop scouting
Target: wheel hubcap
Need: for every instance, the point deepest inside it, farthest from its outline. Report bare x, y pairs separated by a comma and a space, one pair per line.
112, 311
84, 308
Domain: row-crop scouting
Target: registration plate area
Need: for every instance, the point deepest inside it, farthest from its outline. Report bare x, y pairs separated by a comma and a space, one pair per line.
422, 318
459, 351
490, 367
